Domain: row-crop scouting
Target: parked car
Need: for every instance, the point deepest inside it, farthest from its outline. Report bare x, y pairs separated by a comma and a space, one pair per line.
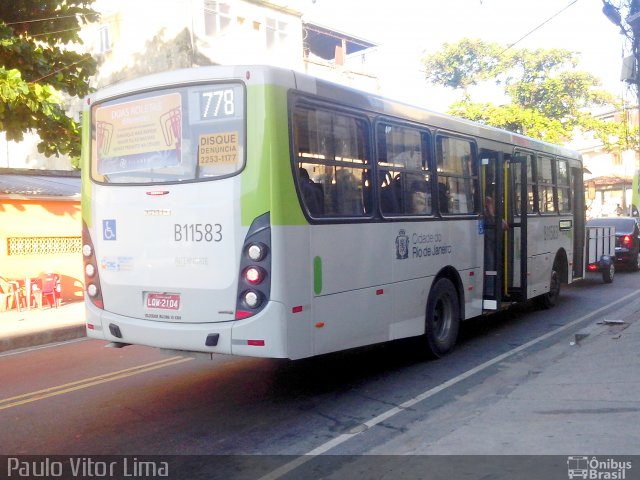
627, 239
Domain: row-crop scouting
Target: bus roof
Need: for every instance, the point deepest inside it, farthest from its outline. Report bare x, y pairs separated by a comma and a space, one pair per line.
347, 96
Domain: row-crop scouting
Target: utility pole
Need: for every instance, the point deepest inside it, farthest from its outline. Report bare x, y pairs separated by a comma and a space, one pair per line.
630, 28
633, 21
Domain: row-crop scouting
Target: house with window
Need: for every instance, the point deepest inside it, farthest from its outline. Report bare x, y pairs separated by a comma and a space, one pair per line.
221, 32
608, 175
148, 36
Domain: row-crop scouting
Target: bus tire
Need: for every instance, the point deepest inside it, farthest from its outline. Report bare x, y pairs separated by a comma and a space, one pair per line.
550, 299
442, 318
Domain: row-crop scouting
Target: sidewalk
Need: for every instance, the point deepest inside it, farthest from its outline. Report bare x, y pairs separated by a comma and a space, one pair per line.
586, 399
580, 395
34, 327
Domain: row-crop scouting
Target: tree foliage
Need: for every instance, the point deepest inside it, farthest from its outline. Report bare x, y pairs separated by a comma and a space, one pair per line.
549, 99
463, 64
39, 65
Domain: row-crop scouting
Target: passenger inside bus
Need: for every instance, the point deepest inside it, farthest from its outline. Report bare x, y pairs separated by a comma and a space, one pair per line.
490, 243
348, 197
443, 198
389, 203
491, 221
404, 193
420, 197
311, 192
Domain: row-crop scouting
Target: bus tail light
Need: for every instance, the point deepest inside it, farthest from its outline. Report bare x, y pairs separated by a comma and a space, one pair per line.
91, 277
256, 252
252, 299
254, 282
254, 275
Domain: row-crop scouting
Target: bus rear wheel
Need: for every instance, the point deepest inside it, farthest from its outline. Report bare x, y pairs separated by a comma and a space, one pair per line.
550, 299
442, 319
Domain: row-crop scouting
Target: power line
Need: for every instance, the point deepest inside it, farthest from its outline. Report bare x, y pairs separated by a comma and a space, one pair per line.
53, 33
539, 26
59, 17
66, 67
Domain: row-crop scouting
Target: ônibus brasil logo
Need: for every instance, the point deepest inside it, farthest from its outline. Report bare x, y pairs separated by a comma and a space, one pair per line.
596, 468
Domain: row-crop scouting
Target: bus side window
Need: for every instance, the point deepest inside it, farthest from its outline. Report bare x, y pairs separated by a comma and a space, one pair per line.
564, 187
530, 184
403, 170
546, 202
456, 181
334, 149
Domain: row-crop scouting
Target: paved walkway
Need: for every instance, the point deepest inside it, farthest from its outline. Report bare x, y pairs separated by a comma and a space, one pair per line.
574, 398
33, 327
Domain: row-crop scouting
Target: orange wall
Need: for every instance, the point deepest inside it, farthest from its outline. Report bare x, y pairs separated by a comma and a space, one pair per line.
42, 218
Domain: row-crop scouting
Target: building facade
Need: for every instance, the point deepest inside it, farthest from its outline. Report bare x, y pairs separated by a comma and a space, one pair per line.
192, 33
148, 36
609, 176
40, 228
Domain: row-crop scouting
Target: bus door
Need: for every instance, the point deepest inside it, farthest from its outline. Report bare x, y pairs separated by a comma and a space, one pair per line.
505, 197
491, 180
519, 203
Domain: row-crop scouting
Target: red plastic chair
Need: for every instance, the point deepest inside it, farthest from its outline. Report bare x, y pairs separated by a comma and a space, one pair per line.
50, 288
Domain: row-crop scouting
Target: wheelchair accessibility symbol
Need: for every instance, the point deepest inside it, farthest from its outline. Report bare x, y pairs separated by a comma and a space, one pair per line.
109, 229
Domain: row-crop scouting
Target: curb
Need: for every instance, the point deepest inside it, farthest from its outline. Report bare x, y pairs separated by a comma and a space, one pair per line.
34, 339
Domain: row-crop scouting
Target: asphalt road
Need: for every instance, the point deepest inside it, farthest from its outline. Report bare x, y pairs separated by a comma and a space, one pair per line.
80, 398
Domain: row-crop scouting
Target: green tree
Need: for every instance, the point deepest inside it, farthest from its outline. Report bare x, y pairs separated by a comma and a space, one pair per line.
549, 99
40, 66
464, 64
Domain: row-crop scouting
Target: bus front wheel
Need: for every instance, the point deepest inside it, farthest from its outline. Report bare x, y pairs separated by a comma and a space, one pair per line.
442, 319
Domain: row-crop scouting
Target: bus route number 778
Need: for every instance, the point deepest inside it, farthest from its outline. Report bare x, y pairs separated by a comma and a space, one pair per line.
197, 232
217, 103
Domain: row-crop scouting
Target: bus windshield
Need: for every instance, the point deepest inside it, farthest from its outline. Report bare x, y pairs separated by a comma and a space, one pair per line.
168, 136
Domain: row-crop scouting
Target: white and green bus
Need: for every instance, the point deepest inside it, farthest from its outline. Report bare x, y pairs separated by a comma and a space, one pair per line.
251, 210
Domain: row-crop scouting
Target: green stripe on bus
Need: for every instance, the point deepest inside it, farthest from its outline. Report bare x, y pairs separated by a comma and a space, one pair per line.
267, 181
317, 275
85, 172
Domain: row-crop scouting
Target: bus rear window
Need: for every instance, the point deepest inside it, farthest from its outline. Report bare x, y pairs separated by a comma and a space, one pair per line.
169, 136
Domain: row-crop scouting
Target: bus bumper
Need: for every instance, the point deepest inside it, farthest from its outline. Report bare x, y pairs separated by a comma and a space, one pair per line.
263, 335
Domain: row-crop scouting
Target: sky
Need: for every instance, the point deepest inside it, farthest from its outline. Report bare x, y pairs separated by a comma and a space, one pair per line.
407, 29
